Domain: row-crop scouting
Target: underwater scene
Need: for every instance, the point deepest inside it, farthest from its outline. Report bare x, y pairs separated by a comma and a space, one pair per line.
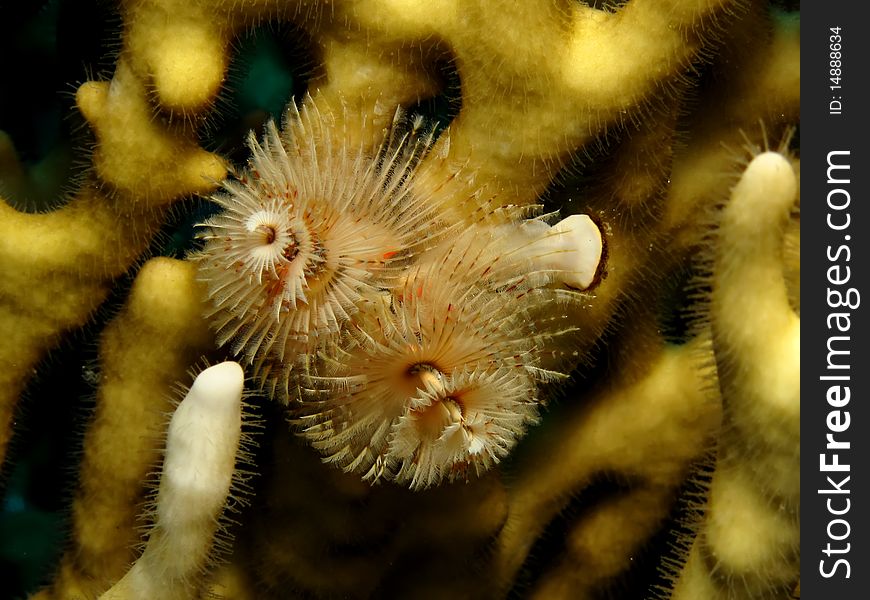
358, 299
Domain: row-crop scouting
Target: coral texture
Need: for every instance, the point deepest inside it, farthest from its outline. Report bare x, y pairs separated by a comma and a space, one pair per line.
632, 113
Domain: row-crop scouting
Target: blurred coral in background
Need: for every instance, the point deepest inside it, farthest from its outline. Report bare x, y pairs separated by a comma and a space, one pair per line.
633, 435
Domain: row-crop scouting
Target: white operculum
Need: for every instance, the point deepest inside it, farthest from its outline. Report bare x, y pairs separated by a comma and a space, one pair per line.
570, 250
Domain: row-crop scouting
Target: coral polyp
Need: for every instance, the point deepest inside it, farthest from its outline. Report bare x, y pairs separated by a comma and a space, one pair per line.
313, 225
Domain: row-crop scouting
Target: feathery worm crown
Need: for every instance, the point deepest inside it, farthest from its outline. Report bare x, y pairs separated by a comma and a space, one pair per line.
313, 225
422, 349
440, 378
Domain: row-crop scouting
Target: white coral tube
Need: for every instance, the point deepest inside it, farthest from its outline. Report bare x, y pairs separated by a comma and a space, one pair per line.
201, 447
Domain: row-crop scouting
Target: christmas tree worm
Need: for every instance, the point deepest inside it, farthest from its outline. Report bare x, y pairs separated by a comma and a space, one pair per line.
632, 113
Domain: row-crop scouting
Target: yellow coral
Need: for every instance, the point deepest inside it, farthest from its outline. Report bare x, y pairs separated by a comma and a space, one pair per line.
749, 544
546, 89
